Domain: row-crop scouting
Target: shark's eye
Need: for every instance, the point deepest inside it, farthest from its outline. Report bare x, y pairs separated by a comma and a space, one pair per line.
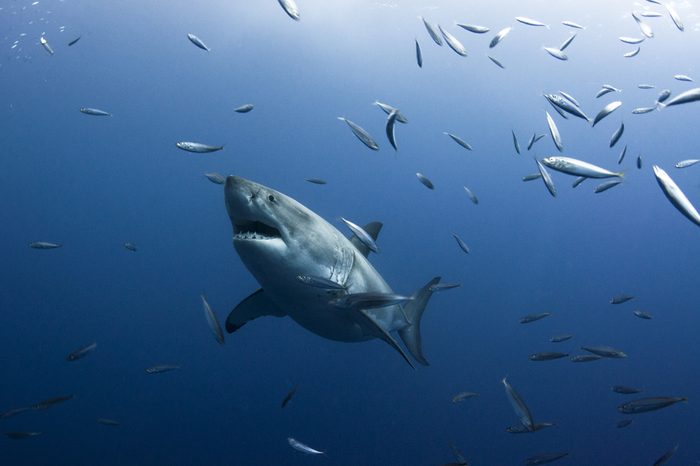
271, 198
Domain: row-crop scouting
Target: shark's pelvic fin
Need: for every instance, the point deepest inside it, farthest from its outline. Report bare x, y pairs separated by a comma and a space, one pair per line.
379, 332
414, 311
372, 229
252, 307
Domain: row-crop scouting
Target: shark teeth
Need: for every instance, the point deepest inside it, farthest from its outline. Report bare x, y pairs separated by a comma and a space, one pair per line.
250, 235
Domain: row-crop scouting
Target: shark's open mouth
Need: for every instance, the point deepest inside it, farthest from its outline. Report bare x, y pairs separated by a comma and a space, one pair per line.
254, 230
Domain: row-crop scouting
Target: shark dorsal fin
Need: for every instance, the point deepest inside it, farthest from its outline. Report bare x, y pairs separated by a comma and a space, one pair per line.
252, 307
372, 229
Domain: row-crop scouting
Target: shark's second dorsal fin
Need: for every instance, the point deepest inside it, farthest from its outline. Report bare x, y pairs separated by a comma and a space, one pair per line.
372, 229
254, 306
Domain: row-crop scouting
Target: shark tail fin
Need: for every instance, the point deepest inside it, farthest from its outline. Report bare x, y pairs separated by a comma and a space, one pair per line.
414, 312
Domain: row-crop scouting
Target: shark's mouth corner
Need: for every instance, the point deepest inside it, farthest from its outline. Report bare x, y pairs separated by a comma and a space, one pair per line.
254, 230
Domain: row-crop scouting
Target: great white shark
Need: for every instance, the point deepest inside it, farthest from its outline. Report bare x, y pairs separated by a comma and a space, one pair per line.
278, 239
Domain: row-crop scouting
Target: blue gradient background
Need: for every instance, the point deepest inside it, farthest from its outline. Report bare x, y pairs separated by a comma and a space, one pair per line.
94, 183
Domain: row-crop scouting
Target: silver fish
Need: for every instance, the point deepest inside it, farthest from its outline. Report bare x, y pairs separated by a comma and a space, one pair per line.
643, 315
390, 123
297, 445
14, 412
81, 352
515, 142
21, 435
692, 95
621, 424
626, 390
159, 369
74, 41
290, 7
519, 406
452, 41
459, 140
431, 31
215, 178
607, 185
570, 98
245, 108
566, 105
602, 92
585, 358
571, 24
130, 246
621, 298
617, 135
674, 194
667, 456
644, 405
567, 42
546, 179
650, 14
212, 321
633, 53
197, 41
535, 137
643, 26
499, 37
107, 422
471, 195
461, 396
44, 245
663, 96
545, 458
474, 28
556, 107
388, 109
521, 429
425, 180
631, 40
560, 338
643, 110
498, 63
316, 181
290, 394
547, 356
554, 132
534, 317
320, 282
361, 134
460, 242
50, 402
683, 77
419, 55
362, 235
674, 16
556, 53
94, 111
197, 147
639, 162
44, 43
645, 86
607, 110
687, 163
368, 300
578, 181
531, 177
605, 351
530, 22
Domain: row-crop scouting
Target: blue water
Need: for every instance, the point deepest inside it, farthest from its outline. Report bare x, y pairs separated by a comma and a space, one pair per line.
94, 183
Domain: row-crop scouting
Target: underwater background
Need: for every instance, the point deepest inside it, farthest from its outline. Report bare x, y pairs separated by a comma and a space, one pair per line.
94, 183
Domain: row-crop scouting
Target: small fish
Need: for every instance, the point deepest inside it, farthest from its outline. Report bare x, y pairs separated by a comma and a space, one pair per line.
617, 135
605, 351
94, 111
545, 458
443, 286
515, 142
632, 40
554, 132
578, 181
46, 45
44, 245
576, 167
692, 95
215, 178
650, 14
645, 86
534, 317
570, 98
21, 435
431, 31
471, 195
521, 429
567, 42
107, 422
388, 109
368, 300
462, 245
364, 237
532, 176
159, 369
459, 457
621, 424
602, 92
245, 108
316, 181
644, 405
425, 181
499, 37
519, 406
643, 315
459, 141
585, 358
361, 134
48, 403
290, 394
530, 22
687, 163
547, 356
13, 412
621, 298
560, 338
535, 137
197, 41
320, 282
663, 96
303, 448
130, 247
461, 396
625, 390
683, 77
633, 53
546, 179
639, 162
571, 24
197, 147
390, 124
474, 28
81, 352
74, 41
498, 63
642, 110
674, 16
644, 27
566, 104
674, 194
290, 7
452, 41
556, 53
212, 321
667, 456
607, 110
419, 55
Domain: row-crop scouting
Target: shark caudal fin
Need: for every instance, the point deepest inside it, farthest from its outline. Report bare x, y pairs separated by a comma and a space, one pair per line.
414, 312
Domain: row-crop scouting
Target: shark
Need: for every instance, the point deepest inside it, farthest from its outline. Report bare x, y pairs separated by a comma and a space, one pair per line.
282, 243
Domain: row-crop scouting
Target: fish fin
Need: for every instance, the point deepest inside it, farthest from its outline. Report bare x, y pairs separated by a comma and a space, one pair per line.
379, 332
254, 306
372, 229
414, 312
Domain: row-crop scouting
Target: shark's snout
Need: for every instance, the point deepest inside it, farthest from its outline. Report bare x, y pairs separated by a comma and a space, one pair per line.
246, 205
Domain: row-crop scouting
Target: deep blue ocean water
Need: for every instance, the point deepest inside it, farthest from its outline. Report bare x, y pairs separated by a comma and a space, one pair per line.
94, 183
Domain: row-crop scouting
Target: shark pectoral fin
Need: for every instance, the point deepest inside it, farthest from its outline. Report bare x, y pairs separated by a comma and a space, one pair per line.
252, 307
372, 229
378, 331
414, 312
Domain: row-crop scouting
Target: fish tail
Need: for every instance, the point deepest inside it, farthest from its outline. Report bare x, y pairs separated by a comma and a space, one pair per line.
414, 312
